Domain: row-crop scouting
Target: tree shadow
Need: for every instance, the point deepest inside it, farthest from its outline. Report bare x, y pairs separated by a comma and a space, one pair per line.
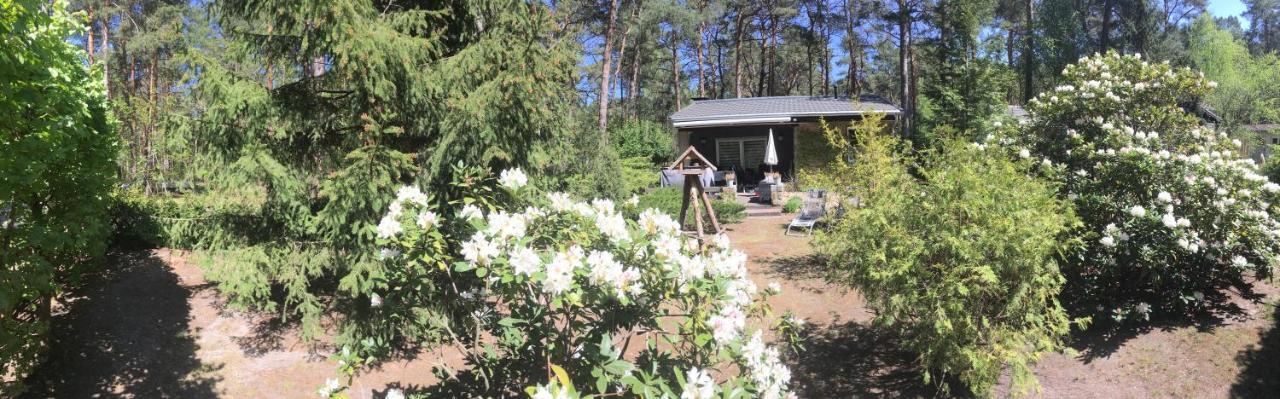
125, 333
808, 266
1104, 337
855, 360
1260, 364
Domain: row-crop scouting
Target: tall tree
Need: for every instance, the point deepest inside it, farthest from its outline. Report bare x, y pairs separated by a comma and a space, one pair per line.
606, 63
404, 93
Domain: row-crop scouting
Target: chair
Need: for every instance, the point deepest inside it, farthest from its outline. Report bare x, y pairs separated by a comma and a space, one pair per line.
814, 209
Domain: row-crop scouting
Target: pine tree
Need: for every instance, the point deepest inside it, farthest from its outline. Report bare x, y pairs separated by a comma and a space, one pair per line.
362, 97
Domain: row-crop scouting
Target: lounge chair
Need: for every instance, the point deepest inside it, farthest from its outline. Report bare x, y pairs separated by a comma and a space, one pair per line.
814, 209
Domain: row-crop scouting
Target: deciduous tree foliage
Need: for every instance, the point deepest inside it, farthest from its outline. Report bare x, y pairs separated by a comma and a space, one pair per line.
378, 94
57, 168
961, 261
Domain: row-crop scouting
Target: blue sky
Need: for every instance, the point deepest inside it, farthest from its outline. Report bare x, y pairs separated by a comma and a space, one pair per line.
1223, 8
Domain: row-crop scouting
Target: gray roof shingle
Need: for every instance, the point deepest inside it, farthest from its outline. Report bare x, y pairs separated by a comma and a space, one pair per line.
789, 106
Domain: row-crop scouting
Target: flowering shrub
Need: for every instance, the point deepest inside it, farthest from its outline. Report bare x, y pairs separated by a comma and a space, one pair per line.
1171, 214
959, 257
573, 289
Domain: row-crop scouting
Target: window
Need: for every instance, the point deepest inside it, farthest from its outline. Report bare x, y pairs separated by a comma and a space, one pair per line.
745, 152
1275, 140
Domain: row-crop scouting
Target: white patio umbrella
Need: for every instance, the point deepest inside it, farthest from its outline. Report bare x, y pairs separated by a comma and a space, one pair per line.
770, 152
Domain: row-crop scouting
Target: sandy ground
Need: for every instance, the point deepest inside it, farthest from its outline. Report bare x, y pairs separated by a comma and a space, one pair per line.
152, 327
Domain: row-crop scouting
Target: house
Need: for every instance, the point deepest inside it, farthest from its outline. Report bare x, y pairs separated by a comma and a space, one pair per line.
1267, 135
733, 133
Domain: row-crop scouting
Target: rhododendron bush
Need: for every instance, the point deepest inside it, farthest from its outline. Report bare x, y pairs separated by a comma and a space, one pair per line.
564, 297
1172, 215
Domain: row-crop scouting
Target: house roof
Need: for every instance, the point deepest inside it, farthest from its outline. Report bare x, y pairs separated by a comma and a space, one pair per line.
1019, 113
764, 110
1262, 127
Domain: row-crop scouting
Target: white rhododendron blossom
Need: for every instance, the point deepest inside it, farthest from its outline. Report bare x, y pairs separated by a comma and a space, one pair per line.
1183, 211
513, 178
570, 272
698, 385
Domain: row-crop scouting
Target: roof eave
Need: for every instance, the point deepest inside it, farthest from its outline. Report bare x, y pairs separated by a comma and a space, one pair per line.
675, 120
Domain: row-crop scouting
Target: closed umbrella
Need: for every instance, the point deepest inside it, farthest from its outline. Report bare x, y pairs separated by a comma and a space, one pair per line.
770, 153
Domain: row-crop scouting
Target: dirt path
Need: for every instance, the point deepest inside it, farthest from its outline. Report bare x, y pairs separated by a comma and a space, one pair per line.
151, 327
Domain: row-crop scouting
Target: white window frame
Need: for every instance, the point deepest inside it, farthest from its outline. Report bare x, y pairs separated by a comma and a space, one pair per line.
742, 151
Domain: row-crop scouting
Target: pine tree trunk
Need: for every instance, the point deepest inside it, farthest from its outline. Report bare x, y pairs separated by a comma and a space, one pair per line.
1028, 53
606, 65
855, 55
635, 82
702, 73
675, 69
88, 44
1104, 36
737, 52
106, 57
904, 65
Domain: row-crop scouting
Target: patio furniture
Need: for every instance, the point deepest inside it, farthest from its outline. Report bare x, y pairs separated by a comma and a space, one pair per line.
814, 209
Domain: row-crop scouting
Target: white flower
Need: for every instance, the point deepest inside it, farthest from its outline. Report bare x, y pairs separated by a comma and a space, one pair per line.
513, 178
653, 221
525, 261
1138, 211
507, 225
721, 241
1169, 221
1024, 153
331, 386
634, 200
560, 201
727, 325
612, 226
698, 385
546, 392
603, 206
1164, 197
389, 227
1239, 261
388, 253
1107, 241
560, 271
1144, 309
394, 393
411, 194
775, 288
479, 250
375, 300
427, 219
471, 212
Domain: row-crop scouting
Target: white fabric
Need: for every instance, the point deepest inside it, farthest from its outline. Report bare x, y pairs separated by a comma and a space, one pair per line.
770, 153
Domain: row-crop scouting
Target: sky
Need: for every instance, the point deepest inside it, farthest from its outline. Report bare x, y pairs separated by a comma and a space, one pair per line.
1224, 8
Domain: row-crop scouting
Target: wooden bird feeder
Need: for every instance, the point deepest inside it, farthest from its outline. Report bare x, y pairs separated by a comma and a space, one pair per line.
693, 165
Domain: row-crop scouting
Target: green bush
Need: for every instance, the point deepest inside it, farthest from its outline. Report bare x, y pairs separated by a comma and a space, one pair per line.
960, 261
159, 221
667, 200
1173, 218
792, 205
642, 139
57, 167
638, 174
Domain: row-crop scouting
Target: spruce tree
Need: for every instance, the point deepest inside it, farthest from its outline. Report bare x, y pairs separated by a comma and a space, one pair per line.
365, 96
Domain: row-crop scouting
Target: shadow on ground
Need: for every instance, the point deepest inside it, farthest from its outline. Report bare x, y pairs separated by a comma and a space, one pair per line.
1104, 337
1260, 364
855, 360
809, 266
125, 334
